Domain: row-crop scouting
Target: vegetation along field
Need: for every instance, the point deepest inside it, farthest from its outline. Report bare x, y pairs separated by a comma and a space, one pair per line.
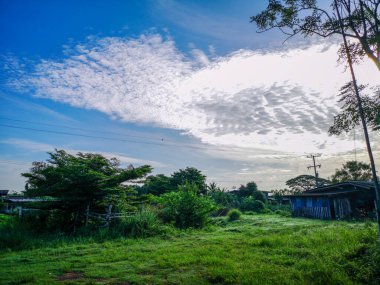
256, 249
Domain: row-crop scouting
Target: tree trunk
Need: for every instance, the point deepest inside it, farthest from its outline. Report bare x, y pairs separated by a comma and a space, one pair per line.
361, 113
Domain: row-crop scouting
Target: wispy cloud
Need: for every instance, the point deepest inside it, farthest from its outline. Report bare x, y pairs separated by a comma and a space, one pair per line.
277, 101
33, 146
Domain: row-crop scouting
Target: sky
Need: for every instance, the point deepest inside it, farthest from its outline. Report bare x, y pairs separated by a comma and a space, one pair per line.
171, 84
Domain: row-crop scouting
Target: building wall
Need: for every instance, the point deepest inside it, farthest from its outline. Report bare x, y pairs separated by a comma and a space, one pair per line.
321, 207
311, 207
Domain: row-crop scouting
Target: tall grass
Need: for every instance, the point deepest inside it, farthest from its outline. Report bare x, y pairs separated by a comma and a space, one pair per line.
256, 249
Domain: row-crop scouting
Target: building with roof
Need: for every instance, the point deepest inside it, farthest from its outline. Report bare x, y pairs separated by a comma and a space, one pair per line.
336, 201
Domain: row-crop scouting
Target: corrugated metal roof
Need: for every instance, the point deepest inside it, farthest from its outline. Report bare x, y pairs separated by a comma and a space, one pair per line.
337, 189
24, 200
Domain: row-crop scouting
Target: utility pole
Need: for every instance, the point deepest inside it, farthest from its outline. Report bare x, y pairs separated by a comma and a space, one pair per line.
313, 156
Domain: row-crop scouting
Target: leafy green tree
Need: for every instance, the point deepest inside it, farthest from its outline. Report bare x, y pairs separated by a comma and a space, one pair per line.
303, 183
157, 185
77, 181
259, 196
247, 190
278, 194
349, 117
250, 204
190, 175
185, 208
352, 171
360, 21
212, 187
377, 123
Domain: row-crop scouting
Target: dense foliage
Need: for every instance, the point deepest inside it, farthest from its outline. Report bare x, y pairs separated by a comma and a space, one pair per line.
234, 215
349, 117
77, 182
352, 171
190, 175
185, 208
160, 184
303, 183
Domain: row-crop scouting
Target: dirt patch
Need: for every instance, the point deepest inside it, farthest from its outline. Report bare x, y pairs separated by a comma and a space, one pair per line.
72, 275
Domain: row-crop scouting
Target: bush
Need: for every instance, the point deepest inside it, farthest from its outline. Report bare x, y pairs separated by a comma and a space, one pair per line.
266, 211
185, 208
234, 215
285, 208
249, 204
260, 196
219, 212
142, 224
283, 213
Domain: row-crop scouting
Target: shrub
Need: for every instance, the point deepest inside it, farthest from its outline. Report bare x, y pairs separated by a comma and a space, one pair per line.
234, 215
219, 212
142, 224
249, 204
266, 211
283, 213
260, 196
285, 208
185, 208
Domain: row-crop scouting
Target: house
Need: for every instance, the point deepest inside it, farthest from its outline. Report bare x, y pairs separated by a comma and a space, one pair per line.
18, 204
3, 193
336, 201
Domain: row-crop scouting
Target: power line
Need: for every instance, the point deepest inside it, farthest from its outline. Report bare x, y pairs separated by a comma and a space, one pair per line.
138, 142
75, 128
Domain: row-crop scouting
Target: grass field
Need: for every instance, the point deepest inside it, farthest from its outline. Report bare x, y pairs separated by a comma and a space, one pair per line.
258, 249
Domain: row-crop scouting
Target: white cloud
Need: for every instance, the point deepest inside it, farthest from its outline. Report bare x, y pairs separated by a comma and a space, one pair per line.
274, 101
33, 146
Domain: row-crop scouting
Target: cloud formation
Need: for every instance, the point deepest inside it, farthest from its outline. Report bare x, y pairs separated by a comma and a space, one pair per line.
34, 146
277, 101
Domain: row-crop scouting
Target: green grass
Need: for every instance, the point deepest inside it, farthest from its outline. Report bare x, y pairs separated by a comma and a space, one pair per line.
257, 249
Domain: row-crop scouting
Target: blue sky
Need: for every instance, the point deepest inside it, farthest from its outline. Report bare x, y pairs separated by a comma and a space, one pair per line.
167, 83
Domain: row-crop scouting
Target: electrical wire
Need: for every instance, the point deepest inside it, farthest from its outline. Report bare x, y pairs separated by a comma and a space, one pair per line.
162, 143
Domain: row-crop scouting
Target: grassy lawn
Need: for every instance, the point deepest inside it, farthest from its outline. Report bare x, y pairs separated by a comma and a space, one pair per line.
258, 249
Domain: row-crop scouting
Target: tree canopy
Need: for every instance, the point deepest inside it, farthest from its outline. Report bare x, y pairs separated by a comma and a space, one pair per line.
303, 183
157, 185
247, 190
79, 180
360, 22
190, 175
349, 117
352, 171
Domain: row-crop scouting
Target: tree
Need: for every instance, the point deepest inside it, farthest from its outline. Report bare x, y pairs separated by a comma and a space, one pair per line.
79, 180
278, 194
355, 19
212, 187
303, 183
190, 175
247, 190
350, 117
157, 185
352, 171
359, 20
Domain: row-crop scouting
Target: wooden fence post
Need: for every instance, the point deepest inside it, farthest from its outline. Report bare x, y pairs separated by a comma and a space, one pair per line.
87, 213
108, 217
